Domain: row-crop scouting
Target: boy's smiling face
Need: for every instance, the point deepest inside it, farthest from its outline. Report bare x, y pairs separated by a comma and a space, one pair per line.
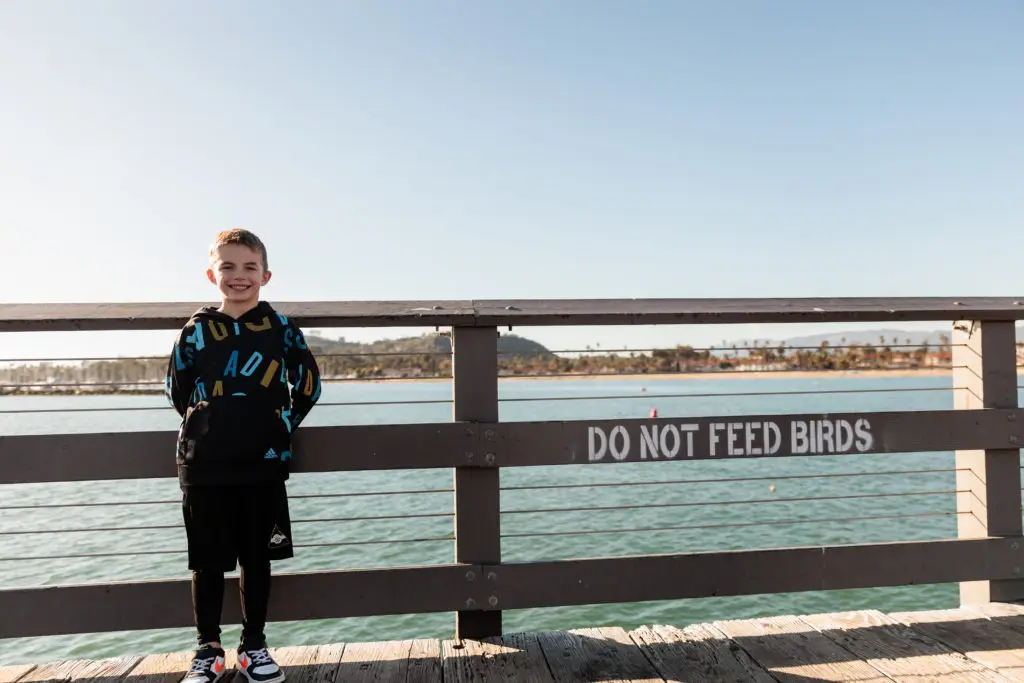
238, 273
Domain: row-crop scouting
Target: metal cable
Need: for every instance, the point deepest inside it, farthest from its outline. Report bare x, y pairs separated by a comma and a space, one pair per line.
158, 527
536, 487
119, 409
604, 508
160, 383
738, 349
182, 552
164, 359
347, 354
731, 525
291, 496
708, 374
129, 383
724, 395
724, 480
711, 374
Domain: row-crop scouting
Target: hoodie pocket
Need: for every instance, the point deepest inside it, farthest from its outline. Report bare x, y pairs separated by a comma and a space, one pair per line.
232, 429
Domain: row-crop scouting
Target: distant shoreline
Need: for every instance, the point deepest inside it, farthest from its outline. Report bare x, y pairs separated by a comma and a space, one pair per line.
651, 377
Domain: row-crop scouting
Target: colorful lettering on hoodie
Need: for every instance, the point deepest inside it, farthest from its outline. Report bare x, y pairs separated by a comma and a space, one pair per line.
263, 357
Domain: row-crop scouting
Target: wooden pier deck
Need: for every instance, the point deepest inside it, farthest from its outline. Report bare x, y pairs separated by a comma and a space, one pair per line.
984, 643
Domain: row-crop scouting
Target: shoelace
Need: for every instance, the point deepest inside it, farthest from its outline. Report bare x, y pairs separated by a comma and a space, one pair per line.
260, 656
199, 666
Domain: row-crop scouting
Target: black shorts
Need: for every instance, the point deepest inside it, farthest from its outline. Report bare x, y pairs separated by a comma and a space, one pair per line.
229, 524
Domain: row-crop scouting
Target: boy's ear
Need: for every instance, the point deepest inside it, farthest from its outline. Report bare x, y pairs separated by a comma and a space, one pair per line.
210, 276
266, 277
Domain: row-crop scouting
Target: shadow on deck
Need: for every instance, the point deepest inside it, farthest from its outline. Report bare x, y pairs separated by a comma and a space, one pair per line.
971, 644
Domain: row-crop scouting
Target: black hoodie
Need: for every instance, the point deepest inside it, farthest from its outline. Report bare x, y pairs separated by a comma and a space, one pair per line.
229, 380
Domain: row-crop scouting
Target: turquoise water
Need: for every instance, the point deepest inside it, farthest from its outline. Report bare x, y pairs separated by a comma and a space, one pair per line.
635, 399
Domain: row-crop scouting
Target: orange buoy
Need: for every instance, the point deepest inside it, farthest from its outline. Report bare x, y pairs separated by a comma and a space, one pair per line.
654, 413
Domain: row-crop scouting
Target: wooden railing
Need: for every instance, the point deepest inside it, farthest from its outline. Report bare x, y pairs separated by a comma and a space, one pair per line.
984, 428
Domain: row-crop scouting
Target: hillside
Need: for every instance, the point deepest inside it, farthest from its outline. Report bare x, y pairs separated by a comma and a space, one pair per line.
508, 344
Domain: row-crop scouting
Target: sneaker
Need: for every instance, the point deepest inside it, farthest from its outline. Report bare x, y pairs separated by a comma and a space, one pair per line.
258, 666
207, 666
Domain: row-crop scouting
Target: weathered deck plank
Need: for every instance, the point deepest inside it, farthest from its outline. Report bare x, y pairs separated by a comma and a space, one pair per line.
1009, 613
596, 654
161, 668
95, 671
513, 657
897, 650
380, 662
697, 654
968, 644
300, 664
424, 661
984, 640
10, 674
790, 650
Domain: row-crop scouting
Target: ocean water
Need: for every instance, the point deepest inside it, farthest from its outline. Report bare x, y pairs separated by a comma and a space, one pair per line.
746, 505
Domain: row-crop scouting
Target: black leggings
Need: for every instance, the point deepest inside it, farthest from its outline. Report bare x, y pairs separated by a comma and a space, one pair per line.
254, 591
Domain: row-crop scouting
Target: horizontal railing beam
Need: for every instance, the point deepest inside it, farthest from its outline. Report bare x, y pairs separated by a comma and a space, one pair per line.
127, 606
500, 313
57, 610
142, 455
752, 572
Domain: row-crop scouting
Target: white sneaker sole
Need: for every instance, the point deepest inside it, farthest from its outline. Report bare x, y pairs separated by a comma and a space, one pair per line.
276, 679
215, 680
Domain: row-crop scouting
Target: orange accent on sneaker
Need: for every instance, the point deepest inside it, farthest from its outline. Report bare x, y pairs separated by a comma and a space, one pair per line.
244, 661
218, 666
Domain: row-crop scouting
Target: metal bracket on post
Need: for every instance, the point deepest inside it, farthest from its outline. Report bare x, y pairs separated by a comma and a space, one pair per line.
477, 485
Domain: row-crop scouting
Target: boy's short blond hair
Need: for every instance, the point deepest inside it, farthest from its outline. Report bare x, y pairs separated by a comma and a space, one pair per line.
239, 236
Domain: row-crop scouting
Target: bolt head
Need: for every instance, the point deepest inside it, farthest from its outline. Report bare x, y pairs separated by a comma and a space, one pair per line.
470, 576
489, 458
491, 576
470, 603
1014, 546
493, 601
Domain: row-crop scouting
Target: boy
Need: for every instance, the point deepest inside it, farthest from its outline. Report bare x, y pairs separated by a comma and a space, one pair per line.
228, 378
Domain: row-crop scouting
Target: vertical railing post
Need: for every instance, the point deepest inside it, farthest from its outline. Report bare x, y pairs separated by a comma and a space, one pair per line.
988, 480
477, 489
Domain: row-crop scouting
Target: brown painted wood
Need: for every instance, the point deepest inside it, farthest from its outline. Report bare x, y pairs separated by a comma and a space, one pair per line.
10, 674
28, 317
792, 651
896, 650
161, 668
985, 376
697, 654
581, 441
514, 657
465, 445
380, 662
749, 572
424, 661
983, 640
144, 455
443, 588
88, 608
596, 654
477, 491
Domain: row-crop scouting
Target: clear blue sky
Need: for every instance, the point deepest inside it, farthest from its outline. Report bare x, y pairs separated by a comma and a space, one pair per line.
536, 149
